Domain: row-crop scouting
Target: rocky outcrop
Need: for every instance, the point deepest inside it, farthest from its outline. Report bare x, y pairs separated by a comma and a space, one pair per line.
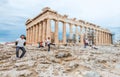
61, 61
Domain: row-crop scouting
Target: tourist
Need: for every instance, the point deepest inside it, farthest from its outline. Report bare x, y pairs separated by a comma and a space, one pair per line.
48, 43
86, 42
40, 44
45, 42
20, 43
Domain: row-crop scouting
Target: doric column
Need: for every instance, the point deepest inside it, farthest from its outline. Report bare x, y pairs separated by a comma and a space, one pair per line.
76, 34
27, 35
64, 32
81, 36
98, 37
30, 35
94, 38
36, 30
101, 38
109, 38
104, 38
85, 32
43, 30
33, 34
71, 31
48, 29
40, 32
56, 40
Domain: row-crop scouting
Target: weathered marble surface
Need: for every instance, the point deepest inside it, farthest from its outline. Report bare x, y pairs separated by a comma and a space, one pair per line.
69, 61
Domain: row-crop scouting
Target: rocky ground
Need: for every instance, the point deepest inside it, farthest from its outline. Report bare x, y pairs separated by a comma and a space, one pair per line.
62, 61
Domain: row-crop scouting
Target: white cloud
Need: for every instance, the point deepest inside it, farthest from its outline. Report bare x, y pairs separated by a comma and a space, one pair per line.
14, 13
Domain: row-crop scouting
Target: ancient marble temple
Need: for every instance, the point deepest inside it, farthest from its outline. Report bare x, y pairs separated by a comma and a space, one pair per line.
39, 28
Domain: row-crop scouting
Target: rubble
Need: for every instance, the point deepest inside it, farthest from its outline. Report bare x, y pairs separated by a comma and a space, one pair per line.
61, 61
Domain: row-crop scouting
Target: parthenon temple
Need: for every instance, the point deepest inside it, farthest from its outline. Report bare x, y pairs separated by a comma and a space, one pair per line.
39, 28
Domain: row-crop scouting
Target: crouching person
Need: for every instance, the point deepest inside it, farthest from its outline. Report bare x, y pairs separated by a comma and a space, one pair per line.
20, 43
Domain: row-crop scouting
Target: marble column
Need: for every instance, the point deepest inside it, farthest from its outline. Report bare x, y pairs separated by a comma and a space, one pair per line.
96, 37
56, 40
40, 31
71, 31
48, 29
30, 35
27, 35
105, 39
32, 38
36, 38
43, 30
76, 34
81, 36
85, 32
33, 34
100, 37
64, 32
109, 38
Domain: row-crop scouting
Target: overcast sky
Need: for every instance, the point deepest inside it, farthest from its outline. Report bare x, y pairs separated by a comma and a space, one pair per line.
14, 13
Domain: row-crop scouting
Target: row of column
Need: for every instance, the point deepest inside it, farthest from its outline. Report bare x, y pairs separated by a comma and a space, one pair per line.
103, 38
64, 33
39, 32
56, 34
42, 30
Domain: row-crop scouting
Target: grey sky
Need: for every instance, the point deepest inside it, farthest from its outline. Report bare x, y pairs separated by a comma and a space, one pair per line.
14, 13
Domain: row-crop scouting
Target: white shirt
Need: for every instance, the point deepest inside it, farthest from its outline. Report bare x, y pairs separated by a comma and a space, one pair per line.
20, 42
48, 41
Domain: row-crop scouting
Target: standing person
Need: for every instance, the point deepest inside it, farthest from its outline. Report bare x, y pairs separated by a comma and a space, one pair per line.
45, 42
86, 42
48, 43
20, 43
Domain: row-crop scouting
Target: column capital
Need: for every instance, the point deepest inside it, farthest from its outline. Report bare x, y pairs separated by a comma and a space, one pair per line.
64, 22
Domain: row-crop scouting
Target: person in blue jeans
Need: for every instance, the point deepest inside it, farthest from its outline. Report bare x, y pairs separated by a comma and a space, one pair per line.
20, 43
48, 43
